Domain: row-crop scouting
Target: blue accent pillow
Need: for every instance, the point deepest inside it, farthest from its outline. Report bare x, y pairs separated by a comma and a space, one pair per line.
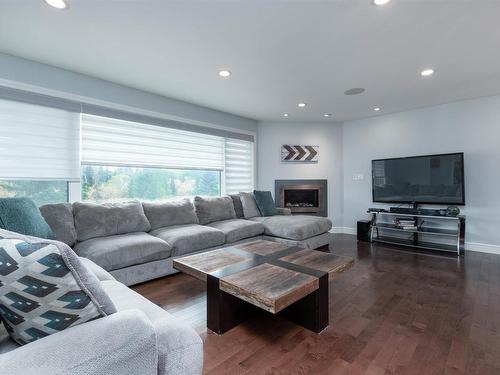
21, 215
265, 203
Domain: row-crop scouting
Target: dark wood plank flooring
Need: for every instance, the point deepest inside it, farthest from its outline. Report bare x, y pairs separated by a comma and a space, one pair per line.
394, 312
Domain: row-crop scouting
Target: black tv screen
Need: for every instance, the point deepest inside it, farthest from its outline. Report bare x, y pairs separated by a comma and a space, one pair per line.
433, 179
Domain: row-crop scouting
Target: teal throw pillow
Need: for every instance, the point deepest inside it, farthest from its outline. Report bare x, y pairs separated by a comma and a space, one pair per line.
21, 215
265, 203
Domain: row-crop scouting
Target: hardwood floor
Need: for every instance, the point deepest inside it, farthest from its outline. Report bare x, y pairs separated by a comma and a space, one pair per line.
394, 312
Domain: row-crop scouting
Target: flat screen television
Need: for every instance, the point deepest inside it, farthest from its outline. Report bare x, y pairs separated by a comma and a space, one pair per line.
431, 179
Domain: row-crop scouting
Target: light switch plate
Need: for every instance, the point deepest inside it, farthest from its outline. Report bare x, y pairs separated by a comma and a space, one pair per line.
358, 176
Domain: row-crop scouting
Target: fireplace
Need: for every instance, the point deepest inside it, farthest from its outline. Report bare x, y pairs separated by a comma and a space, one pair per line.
302, 196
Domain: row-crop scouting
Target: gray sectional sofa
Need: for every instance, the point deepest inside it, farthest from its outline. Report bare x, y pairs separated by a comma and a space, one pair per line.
140, 338
136, 242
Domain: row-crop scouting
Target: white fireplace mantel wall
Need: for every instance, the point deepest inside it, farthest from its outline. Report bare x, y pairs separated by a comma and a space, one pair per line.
327, 135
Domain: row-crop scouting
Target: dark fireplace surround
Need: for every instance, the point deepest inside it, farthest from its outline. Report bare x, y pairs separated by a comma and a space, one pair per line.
302, 196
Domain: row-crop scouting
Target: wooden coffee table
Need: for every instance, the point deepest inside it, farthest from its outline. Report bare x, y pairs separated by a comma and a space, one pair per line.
266, 275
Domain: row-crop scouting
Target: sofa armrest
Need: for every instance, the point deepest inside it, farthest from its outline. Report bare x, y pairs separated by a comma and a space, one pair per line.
100, 272
122, 343
284, 211
180, 348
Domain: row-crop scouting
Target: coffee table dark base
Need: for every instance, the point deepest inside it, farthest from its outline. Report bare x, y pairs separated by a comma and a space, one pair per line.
225, 311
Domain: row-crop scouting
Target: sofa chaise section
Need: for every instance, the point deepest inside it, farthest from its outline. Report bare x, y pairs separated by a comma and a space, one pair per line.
296, 227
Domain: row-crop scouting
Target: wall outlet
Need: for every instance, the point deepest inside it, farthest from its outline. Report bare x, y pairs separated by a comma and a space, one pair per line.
358, 176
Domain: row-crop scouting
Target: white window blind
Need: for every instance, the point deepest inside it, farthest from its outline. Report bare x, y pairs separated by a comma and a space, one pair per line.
115, 142
38, 143
239, 166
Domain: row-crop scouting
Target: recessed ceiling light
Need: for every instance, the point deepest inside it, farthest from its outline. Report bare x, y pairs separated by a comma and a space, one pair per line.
355, 91
376, 109
224, 73
381, 2
327, 115
285, 115
59, 4
301, 105
427, 72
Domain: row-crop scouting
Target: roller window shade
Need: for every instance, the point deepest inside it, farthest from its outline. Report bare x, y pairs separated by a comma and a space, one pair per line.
38, 143
239, 166
108, 141
171, 124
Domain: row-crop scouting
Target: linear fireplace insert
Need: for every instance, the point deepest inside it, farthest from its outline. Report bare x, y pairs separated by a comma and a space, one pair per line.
302, 196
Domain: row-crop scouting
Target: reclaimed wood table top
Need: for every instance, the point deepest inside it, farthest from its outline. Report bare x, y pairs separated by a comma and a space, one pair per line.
267, 274
270, 287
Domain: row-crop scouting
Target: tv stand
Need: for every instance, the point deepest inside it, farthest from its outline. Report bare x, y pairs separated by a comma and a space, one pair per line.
426, 234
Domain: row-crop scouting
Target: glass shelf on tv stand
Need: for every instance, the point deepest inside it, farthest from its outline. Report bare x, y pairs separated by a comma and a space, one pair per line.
385, 232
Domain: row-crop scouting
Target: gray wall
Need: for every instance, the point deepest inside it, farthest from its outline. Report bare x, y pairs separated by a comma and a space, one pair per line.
471, 126
328, 136
32, 73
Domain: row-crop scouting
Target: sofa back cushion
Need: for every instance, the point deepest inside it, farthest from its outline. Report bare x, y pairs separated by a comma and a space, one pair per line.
45, 288
210, 209
21, 215
101, 220
250, 208
168, 213
265, 203
238, 207
59, 216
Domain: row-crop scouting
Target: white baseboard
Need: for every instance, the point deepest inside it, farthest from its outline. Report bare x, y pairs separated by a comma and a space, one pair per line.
469, 246
343, 230
482, 247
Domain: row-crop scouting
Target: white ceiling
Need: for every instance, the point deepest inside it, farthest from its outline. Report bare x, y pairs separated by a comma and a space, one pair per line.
280, 52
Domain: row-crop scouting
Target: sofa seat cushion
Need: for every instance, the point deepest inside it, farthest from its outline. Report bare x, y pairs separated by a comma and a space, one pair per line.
238, 229
187, 238
123, 250
180, 349
296, 227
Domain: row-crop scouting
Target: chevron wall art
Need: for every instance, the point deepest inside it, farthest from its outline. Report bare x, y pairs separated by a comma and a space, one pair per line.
299, 153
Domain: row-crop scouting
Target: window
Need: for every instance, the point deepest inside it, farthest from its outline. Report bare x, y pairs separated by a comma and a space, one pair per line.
111, 183
39, 151
123, 143
238, 166
42, 192
130, 160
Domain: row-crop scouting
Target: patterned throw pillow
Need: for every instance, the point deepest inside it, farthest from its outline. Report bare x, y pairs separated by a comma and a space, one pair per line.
44, 288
